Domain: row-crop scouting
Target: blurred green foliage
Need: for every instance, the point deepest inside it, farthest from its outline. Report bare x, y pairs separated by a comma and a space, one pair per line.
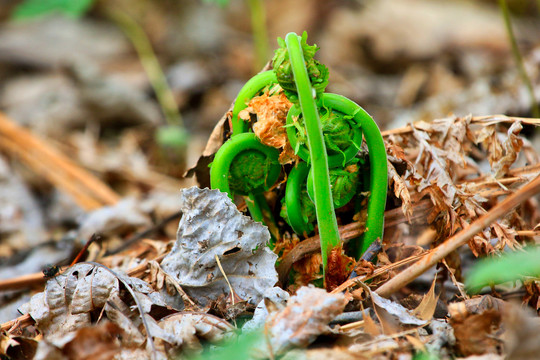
218, 2
238, 348
35, 8
509, 267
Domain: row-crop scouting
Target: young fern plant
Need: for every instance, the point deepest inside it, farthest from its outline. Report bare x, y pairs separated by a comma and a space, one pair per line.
326, 175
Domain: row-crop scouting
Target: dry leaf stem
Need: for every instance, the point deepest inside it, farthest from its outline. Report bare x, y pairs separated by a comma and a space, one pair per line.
30, 280
87, 190
432, 257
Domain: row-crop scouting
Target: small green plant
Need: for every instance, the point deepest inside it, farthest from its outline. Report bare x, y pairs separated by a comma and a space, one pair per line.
173, 137
514, 266
34, 8
326, 177
518, 58
258, 28
425, 355
238, 348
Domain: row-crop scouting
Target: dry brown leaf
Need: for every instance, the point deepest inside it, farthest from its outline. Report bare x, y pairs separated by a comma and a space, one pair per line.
501, 154
506, 235
474, 332
404, 315
416, 343
364, 267
68, 299
532, 296
522, 327
17, 347
307, 270
474, 336
511, 146
370, 327
99, 342
339, 268
427, 306
119, 313
400, 190
271, 117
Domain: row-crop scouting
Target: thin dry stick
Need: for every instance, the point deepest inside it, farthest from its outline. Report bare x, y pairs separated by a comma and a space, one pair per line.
55, 166
443, 250
226, 279
30, 280
34, 160
20, 322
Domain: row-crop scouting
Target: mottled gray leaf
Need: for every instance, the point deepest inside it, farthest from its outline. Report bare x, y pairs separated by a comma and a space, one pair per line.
212, 226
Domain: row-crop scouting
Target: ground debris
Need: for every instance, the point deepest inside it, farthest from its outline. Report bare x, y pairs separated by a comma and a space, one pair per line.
306, 316
79, 156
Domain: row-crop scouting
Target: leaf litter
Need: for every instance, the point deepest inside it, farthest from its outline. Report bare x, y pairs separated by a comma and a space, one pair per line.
444, 174
220, 260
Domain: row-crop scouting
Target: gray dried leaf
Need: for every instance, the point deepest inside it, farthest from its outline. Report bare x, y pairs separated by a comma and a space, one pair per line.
116, 311
306, 316
212, 226
68, 300
20, 214
66, 303
403, 314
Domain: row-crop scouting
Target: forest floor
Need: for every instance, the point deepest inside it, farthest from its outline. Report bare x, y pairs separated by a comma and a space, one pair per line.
170, 269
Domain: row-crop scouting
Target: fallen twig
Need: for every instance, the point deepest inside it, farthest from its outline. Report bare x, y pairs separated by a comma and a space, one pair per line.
36, 279
87, 190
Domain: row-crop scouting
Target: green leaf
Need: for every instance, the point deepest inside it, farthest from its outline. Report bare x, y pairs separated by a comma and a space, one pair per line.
34, 8
509, 267
240, 348
171, 136
218, 2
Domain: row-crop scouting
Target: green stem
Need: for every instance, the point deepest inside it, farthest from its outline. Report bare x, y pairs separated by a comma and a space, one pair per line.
296, 181
260, 36
151, 65
219, 172
261, 206
326, 218
518, 58
250, 89
378, 183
